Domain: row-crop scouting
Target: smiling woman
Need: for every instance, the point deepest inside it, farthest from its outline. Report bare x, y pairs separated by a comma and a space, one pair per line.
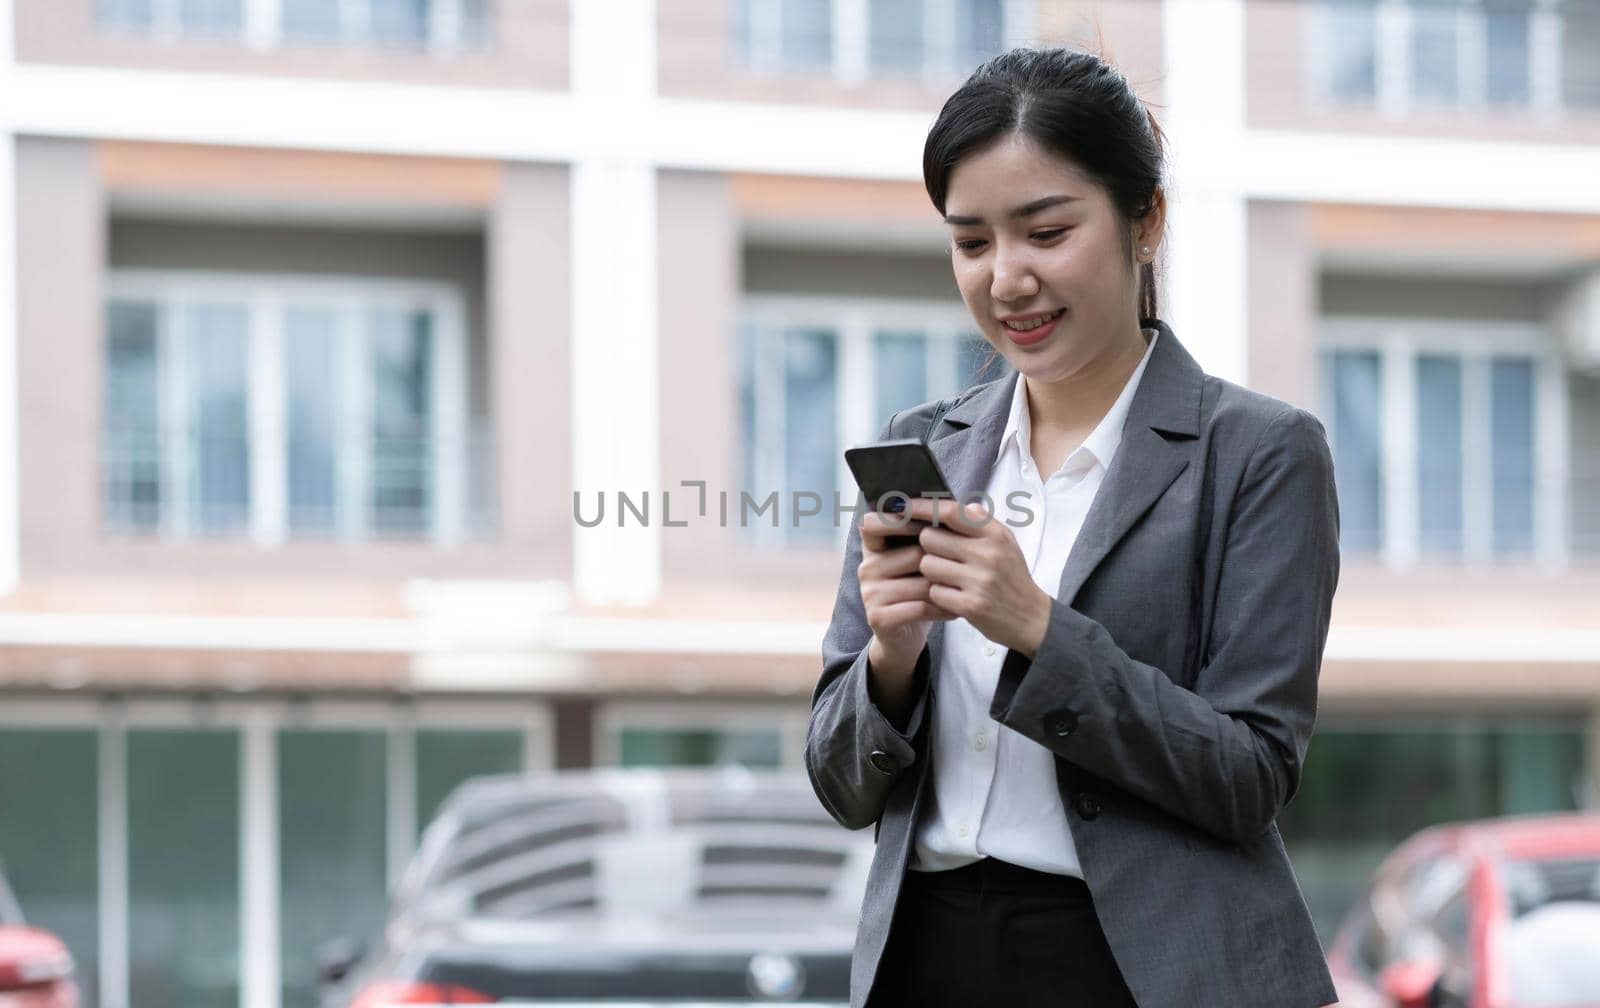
1075, 732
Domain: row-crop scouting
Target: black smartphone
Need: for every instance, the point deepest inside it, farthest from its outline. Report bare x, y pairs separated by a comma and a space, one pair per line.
903, 466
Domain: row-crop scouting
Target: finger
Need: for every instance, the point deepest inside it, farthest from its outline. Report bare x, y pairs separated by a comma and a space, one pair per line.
942, 570
876, 531
951, 600
900, 614
893, 590
968, 519
890, 563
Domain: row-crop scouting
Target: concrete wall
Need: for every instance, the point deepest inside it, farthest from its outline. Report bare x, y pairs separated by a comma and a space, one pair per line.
1282, 282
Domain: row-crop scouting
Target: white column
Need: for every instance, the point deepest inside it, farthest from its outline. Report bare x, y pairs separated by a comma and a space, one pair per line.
260, 955
615, 422
269, 481
1203, 289
401, 809
10, 543
112, 762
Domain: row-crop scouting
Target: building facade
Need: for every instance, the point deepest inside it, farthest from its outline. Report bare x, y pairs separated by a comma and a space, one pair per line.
393, 391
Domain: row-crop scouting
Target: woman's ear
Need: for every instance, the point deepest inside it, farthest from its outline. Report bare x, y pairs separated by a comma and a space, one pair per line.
1148, 230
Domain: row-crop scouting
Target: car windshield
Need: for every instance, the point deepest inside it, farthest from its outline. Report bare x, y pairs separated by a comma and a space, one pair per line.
1553, 934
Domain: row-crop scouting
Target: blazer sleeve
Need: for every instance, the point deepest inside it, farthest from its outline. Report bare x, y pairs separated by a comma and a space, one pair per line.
1226, 755
854, 754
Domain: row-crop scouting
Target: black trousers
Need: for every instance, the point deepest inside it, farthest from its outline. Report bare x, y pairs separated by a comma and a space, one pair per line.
995, 935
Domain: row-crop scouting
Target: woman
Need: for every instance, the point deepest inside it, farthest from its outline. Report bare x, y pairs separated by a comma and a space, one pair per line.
1074, 723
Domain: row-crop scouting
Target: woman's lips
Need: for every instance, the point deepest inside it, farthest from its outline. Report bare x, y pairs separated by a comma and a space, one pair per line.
1032, 336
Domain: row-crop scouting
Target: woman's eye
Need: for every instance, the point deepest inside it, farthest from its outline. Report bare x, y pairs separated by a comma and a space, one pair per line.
1048, 235
970, 244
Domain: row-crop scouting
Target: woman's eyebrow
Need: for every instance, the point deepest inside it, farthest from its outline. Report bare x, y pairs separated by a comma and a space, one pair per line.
1025, 210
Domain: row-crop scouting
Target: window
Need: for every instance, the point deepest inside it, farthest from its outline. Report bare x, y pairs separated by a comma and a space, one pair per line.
440, 25
332, 807
1403, 54
818, 376
183, 866
1370, 783
853, 39
275, 409
633, 734
1580, 54
1438, 444
49, 837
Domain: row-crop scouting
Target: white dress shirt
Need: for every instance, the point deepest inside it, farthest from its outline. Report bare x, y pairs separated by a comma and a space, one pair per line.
995, 790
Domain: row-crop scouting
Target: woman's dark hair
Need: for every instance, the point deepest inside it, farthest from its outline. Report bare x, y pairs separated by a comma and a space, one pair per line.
1071, 103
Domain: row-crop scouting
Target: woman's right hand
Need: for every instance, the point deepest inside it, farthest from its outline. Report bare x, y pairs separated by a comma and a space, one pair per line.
895, 596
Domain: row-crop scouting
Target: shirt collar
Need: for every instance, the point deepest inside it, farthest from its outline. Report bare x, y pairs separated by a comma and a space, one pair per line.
1101, 443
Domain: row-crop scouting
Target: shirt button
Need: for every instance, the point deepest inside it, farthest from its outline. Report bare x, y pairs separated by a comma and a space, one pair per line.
980, 743
962, 831
988, 650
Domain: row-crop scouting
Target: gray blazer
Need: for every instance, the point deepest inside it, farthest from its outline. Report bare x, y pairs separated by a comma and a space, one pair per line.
1177, 686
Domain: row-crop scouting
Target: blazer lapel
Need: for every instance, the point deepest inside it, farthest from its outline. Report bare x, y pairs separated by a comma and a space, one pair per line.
1163, 423
964, 446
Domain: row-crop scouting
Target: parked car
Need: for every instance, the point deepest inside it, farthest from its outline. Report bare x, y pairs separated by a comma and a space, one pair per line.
1501, 913
646, 886
36, 971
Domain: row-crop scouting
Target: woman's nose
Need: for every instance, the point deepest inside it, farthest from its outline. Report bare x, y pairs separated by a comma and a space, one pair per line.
1013, 277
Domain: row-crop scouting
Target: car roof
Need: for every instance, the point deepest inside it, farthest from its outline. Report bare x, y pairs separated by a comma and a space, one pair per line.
1529, 837
636, 841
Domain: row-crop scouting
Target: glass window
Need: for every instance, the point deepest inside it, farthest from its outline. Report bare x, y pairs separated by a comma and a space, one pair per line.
1511, 438
311, 371
1365, 789
475, 24
1435, 51
1352, 50
126, 15
311, 20
216, 351
402, 393
400, 24
806, 34
701, 747
183, 867
446, 758
980, 33
1439, 458
222, 18
49, 837
131, 441
1580, 53
811, 438
895, 36
900, 361
332, 830
1506, 31
1354, 395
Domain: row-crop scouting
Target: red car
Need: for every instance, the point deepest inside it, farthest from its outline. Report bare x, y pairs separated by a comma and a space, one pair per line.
1501, 913
35, 967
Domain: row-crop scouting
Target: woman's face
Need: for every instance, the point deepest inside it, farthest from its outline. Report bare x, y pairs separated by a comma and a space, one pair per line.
1038, 252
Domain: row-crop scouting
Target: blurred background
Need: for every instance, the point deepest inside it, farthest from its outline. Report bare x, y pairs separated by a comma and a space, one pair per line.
316, 314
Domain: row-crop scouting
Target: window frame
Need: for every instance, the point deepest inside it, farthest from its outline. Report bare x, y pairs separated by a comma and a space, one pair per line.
761, 45
854, 322
265, 296
1395, 96
257, 723
1399, 343
261, 27
614, 717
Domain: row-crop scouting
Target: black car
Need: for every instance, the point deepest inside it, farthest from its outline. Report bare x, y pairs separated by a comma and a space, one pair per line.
647, 886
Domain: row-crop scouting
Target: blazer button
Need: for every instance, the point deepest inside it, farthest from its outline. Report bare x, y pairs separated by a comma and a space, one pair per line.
1060, 722
883, 762
1088, 805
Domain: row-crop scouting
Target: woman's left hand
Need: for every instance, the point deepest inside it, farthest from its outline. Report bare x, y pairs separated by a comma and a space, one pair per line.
977, 572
